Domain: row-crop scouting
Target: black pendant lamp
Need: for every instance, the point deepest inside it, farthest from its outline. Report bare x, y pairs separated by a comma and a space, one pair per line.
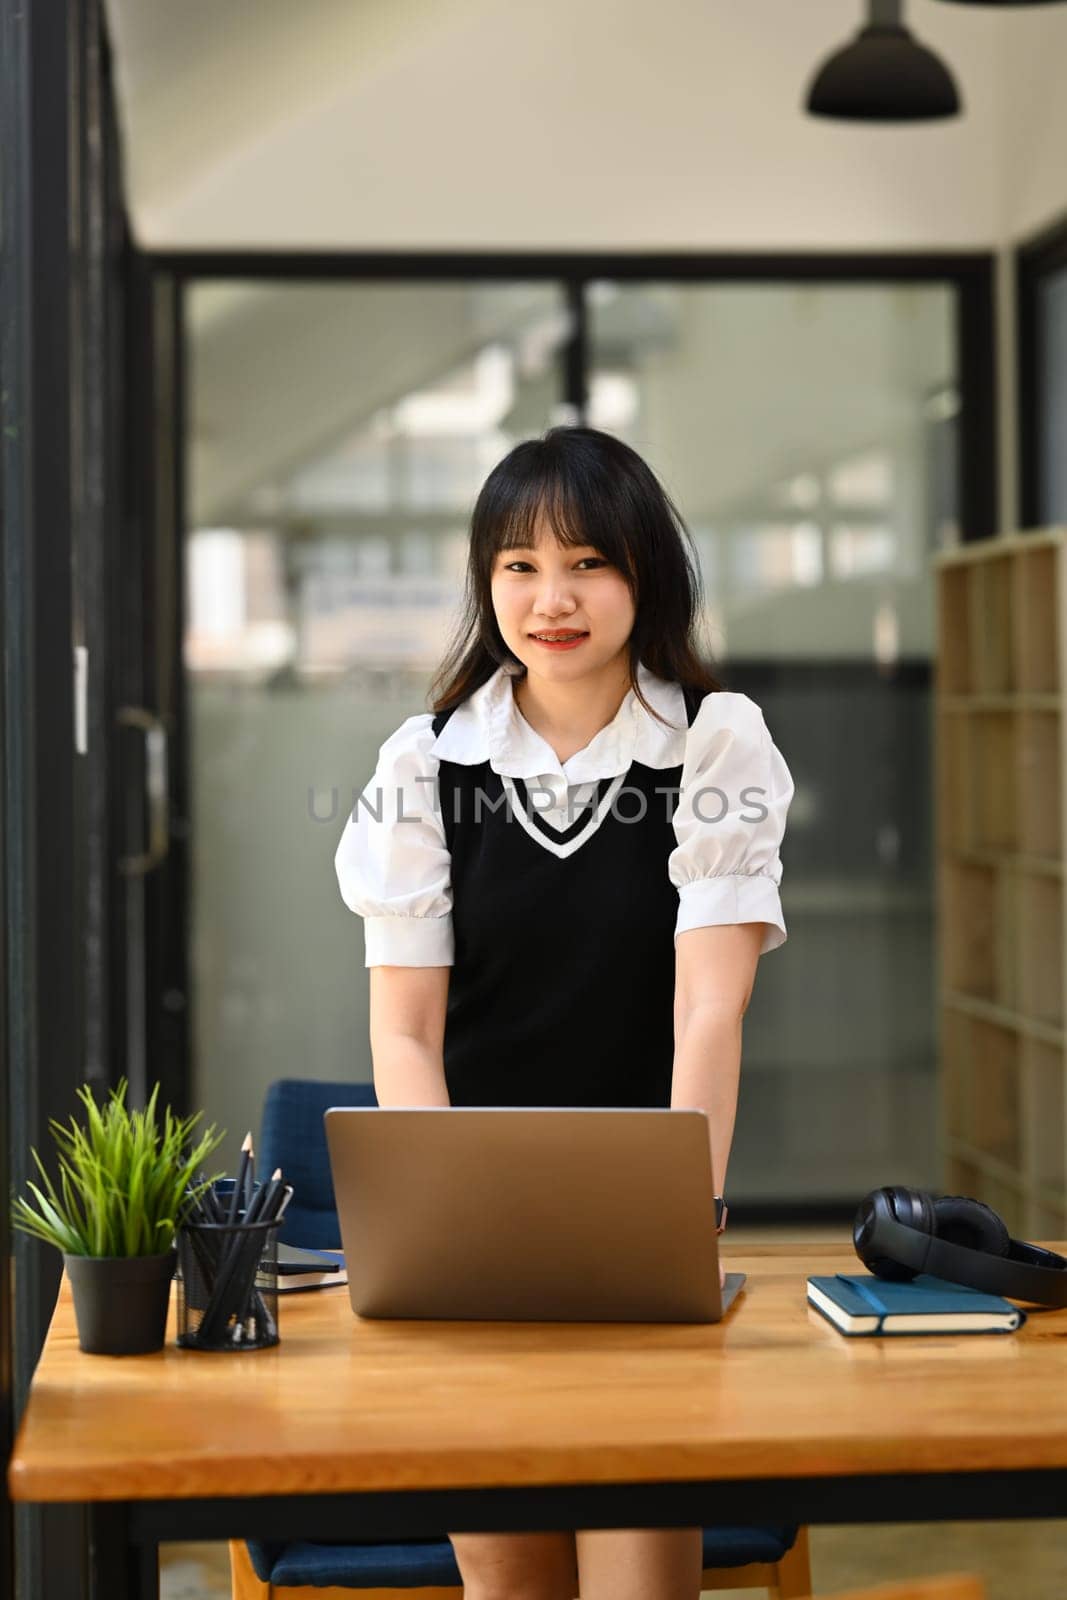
884, 75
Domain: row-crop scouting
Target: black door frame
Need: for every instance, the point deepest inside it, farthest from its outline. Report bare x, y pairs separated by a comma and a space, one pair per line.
1045, 253
44, 1000
63, 412
152, 909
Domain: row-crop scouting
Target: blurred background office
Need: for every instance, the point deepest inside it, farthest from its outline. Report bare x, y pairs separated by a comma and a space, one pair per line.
282, 282
339, 416
337, 436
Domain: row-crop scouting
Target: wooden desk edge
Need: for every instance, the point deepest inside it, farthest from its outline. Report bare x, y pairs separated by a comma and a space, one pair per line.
42, 1475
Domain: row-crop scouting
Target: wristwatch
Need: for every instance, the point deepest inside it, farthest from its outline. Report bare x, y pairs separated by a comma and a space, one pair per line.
720, 1207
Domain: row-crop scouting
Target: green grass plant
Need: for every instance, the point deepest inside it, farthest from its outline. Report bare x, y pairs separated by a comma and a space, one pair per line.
126, 1180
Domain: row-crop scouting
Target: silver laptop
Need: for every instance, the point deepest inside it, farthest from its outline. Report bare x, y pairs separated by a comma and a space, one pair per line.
528, 1214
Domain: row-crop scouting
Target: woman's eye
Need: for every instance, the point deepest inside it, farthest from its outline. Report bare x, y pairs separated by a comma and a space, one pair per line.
597, 561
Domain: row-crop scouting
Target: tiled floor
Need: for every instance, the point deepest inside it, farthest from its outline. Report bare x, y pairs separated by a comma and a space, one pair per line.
1019, 1560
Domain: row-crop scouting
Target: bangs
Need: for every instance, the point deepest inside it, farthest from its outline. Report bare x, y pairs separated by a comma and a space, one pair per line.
574, 506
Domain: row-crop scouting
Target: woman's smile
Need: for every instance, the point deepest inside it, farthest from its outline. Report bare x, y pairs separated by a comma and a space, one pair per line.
560, 640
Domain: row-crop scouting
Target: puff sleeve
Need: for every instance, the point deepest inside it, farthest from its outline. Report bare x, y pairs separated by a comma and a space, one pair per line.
729, 821
393, 865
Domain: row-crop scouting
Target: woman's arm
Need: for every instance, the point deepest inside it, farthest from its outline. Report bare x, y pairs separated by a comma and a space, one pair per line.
715, 969
407, 1030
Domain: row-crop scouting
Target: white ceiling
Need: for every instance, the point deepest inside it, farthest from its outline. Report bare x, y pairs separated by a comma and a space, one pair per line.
560, 124
202, 81
503, 124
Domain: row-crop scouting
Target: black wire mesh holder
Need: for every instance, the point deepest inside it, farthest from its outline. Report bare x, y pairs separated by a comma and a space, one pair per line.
228, 1284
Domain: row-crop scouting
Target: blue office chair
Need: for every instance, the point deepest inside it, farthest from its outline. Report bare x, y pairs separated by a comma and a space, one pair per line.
293, 1138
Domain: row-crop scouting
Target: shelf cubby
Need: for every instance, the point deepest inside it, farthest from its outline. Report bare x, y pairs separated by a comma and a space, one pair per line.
1040, 949
1037, 641
980, 944
956, 1054
1045, 1221
969, 1174
954, 812
1001, 838
994, 756
954, 613
963, 1176
990, 633
1040, 789
996, 1111
1044, 1116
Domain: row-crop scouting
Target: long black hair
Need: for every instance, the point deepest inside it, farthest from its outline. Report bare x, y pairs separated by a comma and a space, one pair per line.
594, 490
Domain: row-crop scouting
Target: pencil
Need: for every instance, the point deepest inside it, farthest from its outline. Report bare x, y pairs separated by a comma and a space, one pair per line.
229, 1248
239, 1182
250, 1179
269, 1198
210, 1198
261, 1210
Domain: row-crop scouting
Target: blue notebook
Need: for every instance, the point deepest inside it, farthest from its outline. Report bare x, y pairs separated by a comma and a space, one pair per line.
861, 1303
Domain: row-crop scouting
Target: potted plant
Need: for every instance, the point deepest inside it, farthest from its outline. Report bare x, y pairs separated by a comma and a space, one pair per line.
125, 1186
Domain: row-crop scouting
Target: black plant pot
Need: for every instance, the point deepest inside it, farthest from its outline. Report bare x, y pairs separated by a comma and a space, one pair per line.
120, 1302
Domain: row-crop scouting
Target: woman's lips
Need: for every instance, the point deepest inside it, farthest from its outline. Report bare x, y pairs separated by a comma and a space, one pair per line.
559, 644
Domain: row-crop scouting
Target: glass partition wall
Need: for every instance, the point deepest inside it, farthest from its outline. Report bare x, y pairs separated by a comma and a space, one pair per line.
337, 435
809, 433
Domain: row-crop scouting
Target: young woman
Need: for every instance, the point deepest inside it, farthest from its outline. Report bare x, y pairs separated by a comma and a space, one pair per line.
568, 870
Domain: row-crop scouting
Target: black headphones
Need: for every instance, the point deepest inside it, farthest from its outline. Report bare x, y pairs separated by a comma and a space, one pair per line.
901, 1232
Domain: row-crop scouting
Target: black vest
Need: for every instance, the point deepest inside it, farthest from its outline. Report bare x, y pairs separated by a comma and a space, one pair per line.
562, 988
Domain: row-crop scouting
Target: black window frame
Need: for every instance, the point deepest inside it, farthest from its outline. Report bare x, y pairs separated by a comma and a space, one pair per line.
969, 273
1035, 260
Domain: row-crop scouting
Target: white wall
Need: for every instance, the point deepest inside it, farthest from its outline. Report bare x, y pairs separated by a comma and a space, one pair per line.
1035, 121
1034, 139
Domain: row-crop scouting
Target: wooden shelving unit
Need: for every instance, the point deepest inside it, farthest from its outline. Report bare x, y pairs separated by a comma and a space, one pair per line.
1000, 721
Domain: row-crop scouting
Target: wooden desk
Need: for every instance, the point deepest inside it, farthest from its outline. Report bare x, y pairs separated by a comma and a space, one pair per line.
394, 1429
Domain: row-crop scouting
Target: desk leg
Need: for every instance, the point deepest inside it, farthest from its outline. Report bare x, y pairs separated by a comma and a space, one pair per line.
118, 1568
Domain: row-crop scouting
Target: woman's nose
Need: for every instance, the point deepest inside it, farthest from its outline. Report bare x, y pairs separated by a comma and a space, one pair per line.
554, 598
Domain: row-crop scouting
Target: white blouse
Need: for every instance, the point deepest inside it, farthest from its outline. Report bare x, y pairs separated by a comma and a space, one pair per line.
393, 863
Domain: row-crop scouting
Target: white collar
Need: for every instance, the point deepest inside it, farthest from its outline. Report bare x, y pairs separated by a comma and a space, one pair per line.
489, 726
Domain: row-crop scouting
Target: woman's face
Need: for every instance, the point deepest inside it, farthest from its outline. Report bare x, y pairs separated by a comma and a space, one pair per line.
557, 589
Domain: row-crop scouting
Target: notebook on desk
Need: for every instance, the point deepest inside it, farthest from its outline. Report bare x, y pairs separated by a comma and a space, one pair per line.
859, 1303
528, 1214
300, 1269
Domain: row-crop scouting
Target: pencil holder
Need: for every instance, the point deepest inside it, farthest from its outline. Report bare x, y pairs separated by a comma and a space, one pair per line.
228, 1284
